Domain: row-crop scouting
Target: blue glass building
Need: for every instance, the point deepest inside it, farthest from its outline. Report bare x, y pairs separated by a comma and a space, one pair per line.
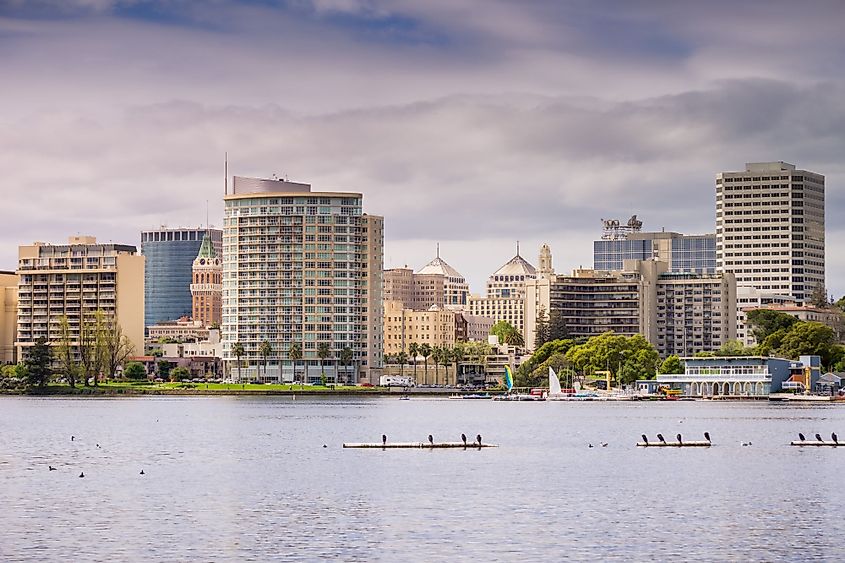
684, 253
169, 256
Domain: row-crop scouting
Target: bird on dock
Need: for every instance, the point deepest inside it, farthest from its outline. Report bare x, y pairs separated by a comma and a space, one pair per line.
384, 439
679, 439
819, 437
707, 436
464, 438
430, 439
142, 472
660, 437
645, 439
81, 475
801, 437
478, 439
834, 438
50, 468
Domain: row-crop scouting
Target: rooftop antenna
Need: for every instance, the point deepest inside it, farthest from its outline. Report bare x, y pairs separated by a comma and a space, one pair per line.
438, 250
226, 173
517, 248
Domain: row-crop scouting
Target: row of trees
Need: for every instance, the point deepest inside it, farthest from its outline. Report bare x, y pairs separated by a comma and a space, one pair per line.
324, 352
441, 356
549, 328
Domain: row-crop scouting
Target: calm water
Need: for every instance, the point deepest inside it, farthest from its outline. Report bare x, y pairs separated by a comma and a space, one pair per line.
249, 479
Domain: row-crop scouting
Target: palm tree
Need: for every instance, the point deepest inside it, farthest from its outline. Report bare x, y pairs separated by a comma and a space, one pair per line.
323, 352
414, 351
295, 354
346, 356
265, 350
458, 353
402, 359
238, 351
425, 352
436, 355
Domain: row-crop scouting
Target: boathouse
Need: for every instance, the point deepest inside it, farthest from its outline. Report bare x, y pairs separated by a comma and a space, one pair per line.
740, 376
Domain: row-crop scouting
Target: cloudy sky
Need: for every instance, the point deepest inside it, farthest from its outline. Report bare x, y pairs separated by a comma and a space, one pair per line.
474, 123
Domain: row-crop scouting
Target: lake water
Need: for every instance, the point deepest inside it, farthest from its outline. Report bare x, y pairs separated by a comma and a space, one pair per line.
248, 479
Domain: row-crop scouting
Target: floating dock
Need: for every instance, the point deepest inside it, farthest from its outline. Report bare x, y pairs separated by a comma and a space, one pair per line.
698, 444
815, 443
422, 445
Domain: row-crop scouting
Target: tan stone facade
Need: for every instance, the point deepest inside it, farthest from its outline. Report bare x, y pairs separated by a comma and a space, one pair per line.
402, 326
207, 286
8, 316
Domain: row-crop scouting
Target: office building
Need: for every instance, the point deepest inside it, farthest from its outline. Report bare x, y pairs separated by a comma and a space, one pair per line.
301, 267
505, 298
207, 286
170, 255
436, 326
76, 280
770, 228
683, 253
8, 316
437, 284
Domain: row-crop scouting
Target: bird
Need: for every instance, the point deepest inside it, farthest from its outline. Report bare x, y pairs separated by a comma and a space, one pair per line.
604, 444
384, 439
801, 437
660, 437
325, 446
746, 443
679, 439
833, 437
98, 445
81, 475
478, 439
645, 439
72, 438
707, 436
430, 439
589, 445
819, 437
142, 472
51, 468
464, 438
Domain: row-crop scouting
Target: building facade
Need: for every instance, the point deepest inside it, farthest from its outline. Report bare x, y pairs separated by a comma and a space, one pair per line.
749, 297
301, 267
8, 316
170, 255
437, 284
76, 280
683, 253
770, 228
505, 298
207, 285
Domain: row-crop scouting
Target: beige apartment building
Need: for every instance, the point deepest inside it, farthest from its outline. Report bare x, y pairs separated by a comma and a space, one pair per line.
301, 267
505, 298
437, 284
8, 316
77, 279
402, 326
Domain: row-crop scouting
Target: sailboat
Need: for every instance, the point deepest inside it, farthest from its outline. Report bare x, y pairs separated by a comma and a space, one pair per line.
557, 394
510, 395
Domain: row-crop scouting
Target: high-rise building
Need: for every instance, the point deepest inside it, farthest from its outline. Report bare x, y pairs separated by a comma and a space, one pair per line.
8, 315
170, 255
305, 268
77, 280
207, 286
770, 228
505, 299
683, 253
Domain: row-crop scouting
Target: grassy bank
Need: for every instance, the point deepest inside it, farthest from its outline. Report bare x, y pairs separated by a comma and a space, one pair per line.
147, 388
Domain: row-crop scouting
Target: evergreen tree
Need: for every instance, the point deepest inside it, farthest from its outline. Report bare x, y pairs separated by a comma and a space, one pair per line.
39, 361
541, 332
557, 326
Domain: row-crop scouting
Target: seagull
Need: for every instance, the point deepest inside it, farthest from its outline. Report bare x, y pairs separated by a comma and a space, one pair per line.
660, 437
478, 439
707, 436
679, 440
833, 437
142, 472
464, 438
801, 437
384, 439
81, 475
430, 439
818, 437
51, 468
645, 439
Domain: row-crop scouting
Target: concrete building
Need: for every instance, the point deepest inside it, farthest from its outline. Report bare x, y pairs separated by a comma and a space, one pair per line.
741, 376
455, 286
182, 330
170, 255
683, 253
207, 285
679, 313
436, 284
505, 298
749, 297
770, 228
301, 267
76, 280
8, 316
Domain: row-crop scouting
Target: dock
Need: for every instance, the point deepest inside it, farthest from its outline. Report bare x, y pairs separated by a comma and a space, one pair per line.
421, 445
815, 443
698, 444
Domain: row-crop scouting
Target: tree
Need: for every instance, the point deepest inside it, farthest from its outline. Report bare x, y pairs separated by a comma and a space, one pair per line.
265, 349
425, 352
540, 355
630, 357
458, 354
117, 346
445, 359
819, 296
539, 375
346, 356
401, 358
238, 351
672, 364
163, 368
810, 338
39, 361
134, 371
64, 352
179, 374
764, 322
295, 354
414, 351
323, 352
557, 326
541, 331
87, 348
733, 348
507, 334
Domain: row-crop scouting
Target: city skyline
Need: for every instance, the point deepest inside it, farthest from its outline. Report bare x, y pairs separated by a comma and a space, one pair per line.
541, 133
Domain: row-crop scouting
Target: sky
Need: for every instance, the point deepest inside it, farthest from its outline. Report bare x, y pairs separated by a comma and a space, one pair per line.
472, 123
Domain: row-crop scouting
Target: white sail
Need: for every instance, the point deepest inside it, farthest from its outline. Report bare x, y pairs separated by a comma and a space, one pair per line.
554, 383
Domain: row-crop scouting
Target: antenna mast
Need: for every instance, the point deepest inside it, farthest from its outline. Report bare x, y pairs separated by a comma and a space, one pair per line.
226, 173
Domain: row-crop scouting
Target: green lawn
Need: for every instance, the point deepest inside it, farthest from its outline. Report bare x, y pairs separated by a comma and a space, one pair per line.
123, 386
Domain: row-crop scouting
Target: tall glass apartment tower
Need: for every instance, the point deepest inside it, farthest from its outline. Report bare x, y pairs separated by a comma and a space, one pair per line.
301, 268
170, 257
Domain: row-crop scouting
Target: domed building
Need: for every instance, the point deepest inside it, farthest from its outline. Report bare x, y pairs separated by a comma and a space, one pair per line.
455, 287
